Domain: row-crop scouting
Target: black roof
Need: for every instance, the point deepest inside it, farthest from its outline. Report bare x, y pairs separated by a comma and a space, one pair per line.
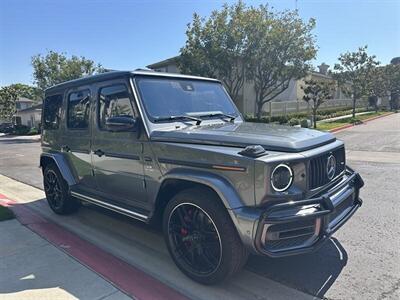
120, 74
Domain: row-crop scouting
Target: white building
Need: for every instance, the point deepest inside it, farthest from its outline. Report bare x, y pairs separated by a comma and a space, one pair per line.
20, 104
30, 116
27, 113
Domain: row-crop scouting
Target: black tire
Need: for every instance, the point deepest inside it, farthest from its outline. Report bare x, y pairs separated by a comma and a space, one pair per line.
206, 247
57, 191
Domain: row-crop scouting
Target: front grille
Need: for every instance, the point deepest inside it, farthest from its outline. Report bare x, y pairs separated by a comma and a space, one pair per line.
317, 168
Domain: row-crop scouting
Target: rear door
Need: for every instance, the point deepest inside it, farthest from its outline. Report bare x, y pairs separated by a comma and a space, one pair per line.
76, 140
117, 156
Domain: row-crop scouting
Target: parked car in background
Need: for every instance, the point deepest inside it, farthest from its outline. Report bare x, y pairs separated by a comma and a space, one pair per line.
175, 149
6, 128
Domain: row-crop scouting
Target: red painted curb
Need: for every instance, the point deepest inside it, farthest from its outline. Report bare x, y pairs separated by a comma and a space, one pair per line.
134, 282
364, 121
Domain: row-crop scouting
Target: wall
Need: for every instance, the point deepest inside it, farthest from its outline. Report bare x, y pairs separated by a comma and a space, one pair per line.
30, 118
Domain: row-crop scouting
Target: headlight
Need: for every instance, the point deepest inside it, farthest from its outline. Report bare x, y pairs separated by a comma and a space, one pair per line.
281, 178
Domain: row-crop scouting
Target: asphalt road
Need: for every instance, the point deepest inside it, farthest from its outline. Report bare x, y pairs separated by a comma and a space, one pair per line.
362, 261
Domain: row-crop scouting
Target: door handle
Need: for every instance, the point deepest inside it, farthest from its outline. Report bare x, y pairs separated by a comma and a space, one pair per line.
65, 148
99, 153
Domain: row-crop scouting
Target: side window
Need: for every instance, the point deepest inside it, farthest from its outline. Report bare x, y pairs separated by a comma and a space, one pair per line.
114, 101
78, 109
52, 112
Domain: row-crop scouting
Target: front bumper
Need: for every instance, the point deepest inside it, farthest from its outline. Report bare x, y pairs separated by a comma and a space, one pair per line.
298, 227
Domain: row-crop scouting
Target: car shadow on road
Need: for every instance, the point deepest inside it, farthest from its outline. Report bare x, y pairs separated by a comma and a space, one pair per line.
312, 273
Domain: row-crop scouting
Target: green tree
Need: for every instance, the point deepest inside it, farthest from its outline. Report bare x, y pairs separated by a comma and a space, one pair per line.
392, 75
216, 47
54, 68
316, 93
27, 91
355, 72
240, 42
281, 46
8, 96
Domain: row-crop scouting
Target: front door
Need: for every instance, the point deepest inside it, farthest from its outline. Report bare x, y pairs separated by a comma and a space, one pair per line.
117, 156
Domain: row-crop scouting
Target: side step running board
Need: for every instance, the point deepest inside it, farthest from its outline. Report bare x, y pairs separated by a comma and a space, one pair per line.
113, 207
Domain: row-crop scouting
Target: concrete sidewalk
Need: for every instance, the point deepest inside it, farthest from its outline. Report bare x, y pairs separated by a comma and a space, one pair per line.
32, 268
342, 117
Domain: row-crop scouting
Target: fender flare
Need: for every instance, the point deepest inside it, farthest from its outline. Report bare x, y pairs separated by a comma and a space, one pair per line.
218, 184
62, 165
244, 219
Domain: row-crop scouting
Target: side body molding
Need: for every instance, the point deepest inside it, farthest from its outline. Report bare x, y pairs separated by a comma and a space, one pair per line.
62, 165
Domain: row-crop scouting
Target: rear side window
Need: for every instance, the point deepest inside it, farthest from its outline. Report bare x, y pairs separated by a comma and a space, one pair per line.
113, 102
52, 112
78, 109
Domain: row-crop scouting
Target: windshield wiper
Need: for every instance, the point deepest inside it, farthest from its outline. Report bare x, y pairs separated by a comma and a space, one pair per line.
218, 114
182, 117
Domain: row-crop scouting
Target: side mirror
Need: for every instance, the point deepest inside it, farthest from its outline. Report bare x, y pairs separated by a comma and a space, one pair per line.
121, 124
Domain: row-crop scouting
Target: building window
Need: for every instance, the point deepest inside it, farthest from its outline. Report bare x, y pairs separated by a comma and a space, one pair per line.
114, 101
78, 110
52, 112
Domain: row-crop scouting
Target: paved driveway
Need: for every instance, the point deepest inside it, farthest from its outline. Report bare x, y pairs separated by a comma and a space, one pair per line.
362, 261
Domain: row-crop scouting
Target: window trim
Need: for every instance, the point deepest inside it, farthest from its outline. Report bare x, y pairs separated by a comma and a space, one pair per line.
61, 95
98, 101
68, 105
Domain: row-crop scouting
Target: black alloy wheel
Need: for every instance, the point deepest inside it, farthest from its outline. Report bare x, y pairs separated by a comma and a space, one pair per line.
57, 191
201, 237
195, 239
53, 190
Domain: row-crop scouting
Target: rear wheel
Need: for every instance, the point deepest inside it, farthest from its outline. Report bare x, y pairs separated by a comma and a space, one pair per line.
57, 191
201, 237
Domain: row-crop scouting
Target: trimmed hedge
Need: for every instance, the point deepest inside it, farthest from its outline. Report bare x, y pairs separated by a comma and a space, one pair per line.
322, 115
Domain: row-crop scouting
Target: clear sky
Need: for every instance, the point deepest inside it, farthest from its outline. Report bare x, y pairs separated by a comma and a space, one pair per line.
126, 35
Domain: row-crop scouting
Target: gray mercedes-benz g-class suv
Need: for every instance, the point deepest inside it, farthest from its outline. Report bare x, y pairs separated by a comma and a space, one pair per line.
174, 148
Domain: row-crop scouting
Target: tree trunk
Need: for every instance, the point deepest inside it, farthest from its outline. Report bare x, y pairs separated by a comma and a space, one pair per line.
354, 107
259, 110
315, 118
259, 104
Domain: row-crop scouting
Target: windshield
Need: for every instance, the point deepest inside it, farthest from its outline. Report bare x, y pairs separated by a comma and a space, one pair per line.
170, 97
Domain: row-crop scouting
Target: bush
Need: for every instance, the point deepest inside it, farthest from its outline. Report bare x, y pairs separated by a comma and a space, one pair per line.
304, 123
322, 115
33, 131
21, 129
294, 121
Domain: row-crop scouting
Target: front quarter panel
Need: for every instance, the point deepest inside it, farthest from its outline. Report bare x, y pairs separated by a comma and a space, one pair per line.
205, 164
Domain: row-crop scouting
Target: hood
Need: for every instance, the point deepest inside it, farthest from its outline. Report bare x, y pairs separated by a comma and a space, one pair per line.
270, 136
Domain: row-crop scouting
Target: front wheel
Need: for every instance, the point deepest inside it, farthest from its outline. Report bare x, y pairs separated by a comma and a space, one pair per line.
201, 237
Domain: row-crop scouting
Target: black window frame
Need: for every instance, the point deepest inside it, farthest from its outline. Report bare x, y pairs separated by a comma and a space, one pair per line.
45, 125
68, 107
98, 121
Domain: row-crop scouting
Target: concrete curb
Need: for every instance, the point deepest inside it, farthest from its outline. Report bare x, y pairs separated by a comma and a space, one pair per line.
132, 281
364, 121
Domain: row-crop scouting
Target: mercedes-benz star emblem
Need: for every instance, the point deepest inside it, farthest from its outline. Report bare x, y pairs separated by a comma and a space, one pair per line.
331, 167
